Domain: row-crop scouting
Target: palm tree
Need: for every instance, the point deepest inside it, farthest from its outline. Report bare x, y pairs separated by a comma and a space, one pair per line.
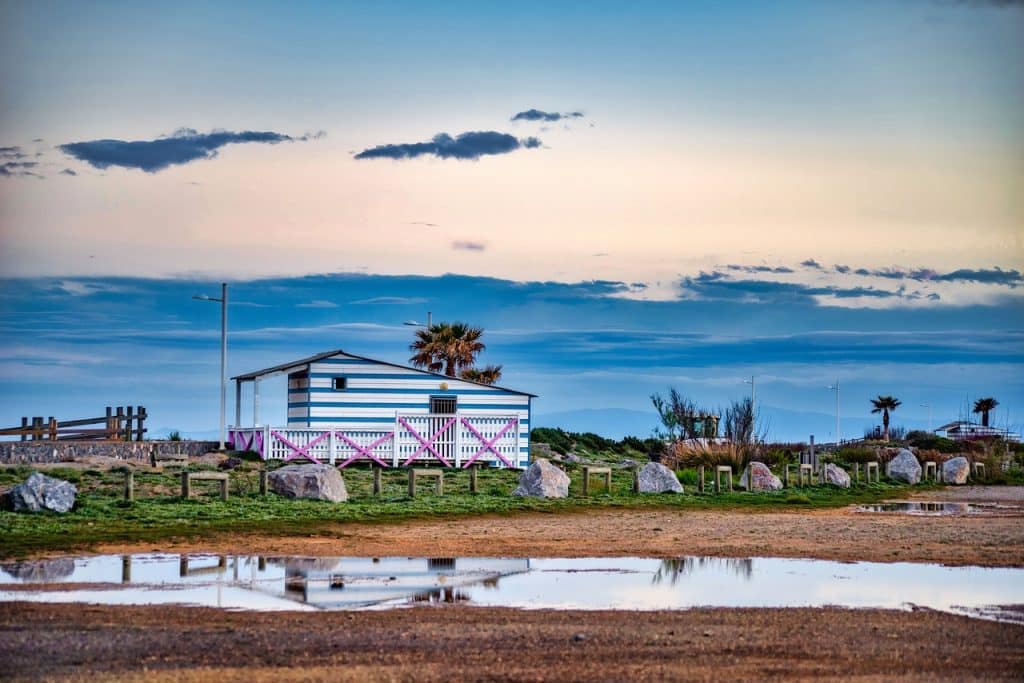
486, 375
985, 406
883, 405
450, 347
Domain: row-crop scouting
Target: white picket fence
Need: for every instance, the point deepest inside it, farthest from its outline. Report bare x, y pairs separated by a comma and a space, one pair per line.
456, 440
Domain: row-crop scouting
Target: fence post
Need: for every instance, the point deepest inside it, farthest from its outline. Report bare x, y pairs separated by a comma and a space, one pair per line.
129, 485
394, 443
128, 424
263, 482
118, 419
331, 445
377, 483
141, 419
37, 428
53, 429
24, 429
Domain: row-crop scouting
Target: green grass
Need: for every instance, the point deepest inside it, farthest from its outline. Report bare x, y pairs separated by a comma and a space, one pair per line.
101, 515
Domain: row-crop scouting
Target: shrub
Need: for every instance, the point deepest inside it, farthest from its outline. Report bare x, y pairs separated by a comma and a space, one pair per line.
174, 436
934, 442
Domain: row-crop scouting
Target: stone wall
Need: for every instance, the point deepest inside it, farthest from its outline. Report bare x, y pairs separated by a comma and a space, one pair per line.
30, 452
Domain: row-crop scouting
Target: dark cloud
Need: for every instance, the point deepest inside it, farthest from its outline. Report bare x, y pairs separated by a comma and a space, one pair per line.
717, 286
992, 276
68, 171
467, 245
811, 263
18, 169
425, 224
181, 147
538, 115
11, 153
471, 145
843, 269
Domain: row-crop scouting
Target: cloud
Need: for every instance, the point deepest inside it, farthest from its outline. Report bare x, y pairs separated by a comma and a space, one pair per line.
471, 145
538, 115
391, 300
425, 224
318, 303
842, 269
68, 171
467, 245
811, 263
760, 269
181, 147
12, 153
18, 169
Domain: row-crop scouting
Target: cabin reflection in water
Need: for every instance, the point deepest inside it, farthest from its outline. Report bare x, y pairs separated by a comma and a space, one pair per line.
333, 583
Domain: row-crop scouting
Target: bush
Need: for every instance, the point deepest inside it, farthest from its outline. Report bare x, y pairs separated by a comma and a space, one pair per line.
932, 442
856, 455
174, 436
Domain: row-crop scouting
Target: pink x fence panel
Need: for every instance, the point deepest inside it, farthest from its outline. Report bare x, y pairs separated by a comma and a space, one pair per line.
457, 440
246, 440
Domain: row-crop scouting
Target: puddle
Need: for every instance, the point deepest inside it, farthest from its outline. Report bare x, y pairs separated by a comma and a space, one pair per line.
913, 507
328, 583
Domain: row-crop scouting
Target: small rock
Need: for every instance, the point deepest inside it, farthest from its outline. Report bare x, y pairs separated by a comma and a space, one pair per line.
40, 492
656, 478
230, 464
956, 470
757, 477
319, 482
837, 476
579, 637
543, 480
904, 467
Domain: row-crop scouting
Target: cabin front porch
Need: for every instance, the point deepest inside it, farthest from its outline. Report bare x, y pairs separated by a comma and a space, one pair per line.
451, 440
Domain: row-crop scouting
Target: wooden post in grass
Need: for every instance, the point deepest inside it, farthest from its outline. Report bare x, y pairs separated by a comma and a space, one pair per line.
186, 485
224, 489
472, 478
700, 478
129, 418
636, 478
129, 485
378, 484
126, 569
263, 482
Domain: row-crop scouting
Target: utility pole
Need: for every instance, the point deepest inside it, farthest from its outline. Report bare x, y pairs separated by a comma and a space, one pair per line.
223, 300
929, 407
753, 395
835, 388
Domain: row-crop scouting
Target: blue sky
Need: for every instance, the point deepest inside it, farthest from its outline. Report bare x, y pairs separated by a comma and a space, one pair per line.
632, 195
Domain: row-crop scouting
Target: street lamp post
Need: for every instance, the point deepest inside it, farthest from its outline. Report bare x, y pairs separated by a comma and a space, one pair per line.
835, 388
223, 301
753, 396
416, 323
929, 407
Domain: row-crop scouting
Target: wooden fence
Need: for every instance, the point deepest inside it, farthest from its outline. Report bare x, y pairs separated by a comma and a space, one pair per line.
124, 423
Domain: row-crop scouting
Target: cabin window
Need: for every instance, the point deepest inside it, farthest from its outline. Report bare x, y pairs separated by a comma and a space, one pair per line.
442, 405
339, 383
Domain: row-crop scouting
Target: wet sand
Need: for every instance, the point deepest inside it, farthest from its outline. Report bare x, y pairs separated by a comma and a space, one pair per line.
467, 643
844, 535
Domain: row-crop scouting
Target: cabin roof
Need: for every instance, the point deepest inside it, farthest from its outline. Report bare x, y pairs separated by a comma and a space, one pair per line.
298, 364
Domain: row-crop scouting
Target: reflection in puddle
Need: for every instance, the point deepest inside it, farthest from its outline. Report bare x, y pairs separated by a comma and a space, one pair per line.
913, 507
312, 583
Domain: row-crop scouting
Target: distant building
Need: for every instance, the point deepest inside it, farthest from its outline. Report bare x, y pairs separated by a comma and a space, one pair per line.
964, 430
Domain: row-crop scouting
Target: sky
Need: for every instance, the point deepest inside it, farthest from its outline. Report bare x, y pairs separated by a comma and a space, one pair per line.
627, 196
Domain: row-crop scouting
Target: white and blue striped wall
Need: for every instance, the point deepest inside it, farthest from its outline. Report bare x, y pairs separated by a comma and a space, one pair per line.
375, 392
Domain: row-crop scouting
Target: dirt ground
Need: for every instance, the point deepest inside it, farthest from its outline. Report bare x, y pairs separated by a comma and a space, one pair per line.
996, 541
456, 642
466, 643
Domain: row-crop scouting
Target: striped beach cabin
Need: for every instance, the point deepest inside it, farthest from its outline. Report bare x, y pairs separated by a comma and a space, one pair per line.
344, 408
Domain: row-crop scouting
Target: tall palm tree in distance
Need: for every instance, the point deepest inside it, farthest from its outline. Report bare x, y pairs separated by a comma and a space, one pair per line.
985, 406
447, 347
885, 405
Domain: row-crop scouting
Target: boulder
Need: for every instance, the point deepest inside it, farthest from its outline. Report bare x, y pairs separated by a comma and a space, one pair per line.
955, 470
319, 482
543, 480
837, 476
757, 477
904, 467
40, 492
656, 478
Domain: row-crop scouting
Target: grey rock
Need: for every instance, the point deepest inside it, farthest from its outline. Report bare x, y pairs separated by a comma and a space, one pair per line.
40, 492
904, 467
319, 482
837, 476
956, 470
46, 571
757, 477
230, 464
656, 478
543, 480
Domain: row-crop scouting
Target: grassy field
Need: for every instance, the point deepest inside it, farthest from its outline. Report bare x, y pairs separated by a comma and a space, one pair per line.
101, 514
